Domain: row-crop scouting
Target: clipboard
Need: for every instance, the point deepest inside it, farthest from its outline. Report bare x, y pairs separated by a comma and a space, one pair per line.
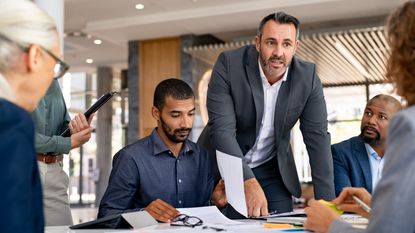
100, 102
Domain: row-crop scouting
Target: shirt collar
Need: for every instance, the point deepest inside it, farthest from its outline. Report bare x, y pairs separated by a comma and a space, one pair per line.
159, 146
264, 79
371, 152
6, 91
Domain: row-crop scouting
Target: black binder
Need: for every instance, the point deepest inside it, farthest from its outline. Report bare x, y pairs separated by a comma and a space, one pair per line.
115, 221
101, 101
135, 219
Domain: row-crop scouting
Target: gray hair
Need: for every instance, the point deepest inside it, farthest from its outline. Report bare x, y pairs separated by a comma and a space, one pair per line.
22, 24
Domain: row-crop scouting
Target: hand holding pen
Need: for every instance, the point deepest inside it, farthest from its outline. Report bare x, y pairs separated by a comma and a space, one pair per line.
362, 204
353, 200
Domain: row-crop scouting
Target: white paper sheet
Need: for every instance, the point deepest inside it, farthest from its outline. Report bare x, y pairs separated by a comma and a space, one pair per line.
209, 215
139, 219
230, 168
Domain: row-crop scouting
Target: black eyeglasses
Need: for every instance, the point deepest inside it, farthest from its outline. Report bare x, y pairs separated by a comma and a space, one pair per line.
60, 67
188, 221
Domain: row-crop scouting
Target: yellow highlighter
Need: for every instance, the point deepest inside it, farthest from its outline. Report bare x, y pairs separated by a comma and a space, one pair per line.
278, 225
332, 206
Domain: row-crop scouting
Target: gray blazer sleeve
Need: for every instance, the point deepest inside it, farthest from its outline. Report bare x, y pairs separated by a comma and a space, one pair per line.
340, 226
393, 200
222, 119
313, 125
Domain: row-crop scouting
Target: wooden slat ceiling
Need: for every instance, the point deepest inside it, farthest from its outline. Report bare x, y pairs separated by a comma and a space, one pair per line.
343, 58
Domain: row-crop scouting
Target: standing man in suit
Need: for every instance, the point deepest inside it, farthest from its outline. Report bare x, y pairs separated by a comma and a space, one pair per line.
358, 161
256, 94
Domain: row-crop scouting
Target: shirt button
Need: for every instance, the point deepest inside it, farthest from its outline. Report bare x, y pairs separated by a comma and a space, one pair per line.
180, 201
180, 180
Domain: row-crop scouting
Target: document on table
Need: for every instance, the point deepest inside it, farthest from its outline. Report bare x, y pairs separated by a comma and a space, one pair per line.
289, 220
209, 215
296, 217
356, 220
294, 213
213, 220
230, 168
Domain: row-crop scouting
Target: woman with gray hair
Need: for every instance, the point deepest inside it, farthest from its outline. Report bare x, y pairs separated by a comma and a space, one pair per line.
29, 51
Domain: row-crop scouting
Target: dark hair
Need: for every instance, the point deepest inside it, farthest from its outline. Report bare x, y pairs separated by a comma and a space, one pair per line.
176, 88
282, 18
400, 67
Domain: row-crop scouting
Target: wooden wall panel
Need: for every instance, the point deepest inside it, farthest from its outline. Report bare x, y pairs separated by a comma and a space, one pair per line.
158, 60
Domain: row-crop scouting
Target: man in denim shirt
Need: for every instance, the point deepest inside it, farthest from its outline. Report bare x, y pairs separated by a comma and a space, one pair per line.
164, 170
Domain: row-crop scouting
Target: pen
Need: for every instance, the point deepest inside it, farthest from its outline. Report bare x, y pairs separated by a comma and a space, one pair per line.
294, 230
213, 228
362, 204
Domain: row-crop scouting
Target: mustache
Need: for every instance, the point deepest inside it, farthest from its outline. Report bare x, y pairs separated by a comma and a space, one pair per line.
182, 130
371, 128
371, 141
275, 58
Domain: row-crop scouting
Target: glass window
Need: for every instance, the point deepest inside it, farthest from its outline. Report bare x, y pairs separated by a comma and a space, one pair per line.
80, 92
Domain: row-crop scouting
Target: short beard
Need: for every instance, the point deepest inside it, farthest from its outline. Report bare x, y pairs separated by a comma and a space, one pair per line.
267, 67
371, 141
172, 137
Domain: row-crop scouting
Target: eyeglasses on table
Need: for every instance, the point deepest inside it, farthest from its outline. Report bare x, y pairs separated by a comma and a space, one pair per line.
186, 220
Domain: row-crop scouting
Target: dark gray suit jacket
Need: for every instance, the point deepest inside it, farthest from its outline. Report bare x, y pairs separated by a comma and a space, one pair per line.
235, 103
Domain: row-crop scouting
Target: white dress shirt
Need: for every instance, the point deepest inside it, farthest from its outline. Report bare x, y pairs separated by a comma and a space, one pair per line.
265, 141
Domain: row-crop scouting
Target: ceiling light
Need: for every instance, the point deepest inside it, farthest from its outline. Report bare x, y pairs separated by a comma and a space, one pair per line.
139, 6
78, 34
97, 41
89, 60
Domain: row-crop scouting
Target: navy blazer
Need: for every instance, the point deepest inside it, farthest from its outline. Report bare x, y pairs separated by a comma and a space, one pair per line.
351, 165
21, 198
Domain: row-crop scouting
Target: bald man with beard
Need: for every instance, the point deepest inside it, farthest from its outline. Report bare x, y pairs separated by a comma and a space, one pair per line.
358, 161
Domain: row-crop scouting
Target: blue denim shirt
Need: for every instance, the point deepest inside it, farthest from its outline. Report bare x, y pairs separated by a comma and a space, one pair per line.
147, 170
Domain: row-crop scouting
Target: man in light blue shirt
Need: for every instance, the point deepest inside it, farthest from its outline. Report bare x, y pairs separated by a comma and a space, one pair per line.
376, 164
358, 161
